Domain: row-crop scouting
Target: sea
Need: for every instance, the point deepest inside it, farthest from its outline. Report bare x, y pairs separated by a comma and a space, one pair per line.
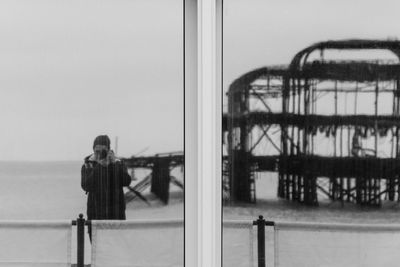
274, 209
52, 191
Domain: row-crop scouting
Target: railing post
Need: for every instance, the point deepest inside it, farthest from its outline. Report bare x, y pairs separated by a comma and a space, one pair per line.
80, 224
260, 240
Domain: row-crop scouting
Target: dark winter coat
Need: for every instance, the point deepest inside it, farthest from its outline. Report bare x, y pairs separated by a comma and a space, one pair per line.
104, 185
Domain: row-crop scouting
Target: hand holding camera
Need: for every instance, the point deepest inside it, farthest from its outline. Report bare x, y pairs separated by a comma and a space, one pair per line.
105, 157
111, 156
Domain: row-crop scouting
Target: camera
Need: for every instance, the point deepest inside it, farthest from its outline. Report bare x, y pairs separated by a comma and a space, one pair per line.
103, 154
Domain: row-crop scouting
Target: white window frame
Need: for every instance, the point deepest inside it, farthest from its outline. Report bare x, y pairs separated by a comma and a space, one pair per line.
203, 118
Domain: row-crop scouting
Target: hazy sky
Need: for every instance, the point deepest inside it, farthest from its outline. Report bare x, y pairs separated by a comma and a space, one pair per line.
70, 70
268, 32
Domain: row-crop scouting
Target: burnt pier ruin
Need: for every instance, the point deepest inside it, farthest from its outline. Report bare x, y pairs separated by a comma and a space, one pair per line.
325, 126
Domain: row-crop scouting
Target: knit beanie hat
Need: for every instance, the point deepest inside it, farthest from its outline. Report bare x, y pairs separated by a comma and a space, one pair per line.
102, 140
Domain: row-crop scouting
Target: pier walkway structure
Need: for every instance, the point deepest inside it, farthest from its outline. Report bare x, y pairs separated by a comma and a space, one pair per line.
160, 176
325, 126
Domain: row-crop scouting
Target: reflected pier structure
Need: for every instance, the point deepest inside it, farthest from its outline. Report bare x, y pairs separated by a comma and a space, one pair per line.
327, 127
159, 178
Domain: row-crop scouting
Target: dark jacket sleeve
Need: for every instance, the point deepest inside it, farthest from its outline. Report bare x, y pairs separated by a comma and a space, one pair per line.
126, 178
87, 177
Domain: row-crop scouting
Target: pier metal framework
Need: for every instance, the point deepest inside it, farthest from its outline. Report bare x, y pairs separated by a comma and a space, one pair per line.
159, 178
325, 126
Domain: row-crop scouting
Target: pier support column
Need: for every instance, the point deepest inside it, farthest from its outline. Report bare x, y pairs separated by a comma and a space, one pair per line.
160, 179
240, 174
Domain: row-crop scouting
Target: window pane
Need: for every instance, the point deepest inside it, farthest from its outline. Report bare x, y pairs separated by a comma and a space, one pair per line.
71, 71
310, 128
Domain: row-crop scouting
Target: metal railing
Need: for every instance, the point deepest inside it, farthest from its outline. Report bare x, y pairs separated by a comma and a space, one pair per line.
261, 223
56, 242
80, 225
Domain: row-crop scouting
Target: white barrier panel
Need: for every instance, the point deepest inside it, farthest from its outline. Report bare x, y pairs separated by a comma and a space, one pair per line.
239, 244
331, 245
35, 244
137, 243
